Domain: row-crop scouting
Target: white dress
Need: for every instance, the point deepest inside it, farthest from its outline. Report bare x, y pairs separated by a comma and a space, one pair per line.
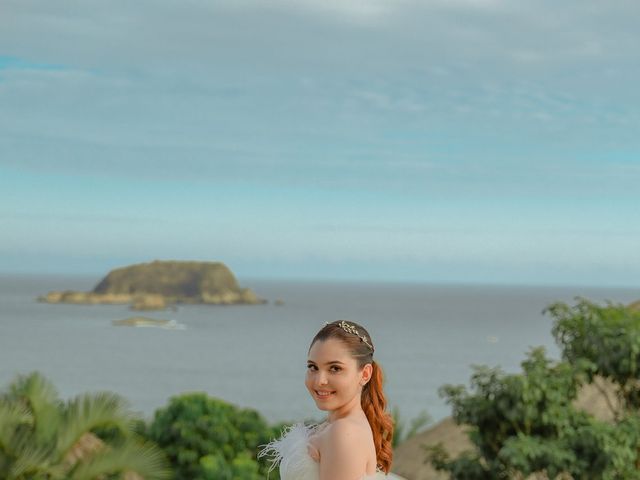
290, 452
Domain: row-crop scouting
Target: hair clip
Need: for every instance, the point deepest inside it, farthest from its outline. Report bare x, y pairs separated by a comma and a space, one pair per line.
354, 331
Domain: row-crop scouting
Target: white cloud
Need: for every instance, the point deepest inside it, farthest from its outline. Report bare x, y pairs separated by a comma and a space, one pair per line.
289, 83
357, 10
319, 34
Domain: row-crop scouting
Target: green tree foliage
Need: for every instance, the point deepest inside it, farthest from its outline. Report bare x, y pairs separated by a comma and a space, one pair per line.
209, 439
89, 437
603, 341
526, 424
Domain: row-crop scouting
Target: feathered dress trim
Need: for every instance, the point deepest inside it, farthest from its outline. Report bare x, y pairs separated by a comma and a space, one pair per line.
290, 453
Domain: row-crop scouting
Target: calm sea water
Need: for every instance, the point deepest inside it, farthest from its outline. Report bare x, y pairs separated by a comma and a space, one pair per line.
255, 356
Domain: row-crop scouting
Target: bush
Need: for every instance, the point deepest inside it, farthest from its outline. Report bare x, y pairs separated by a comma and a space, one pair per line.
525, 424
208, 439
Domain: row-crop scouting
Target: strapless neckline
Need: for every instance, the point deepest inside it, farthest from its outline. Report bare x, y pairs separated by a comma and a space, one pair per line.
290, 453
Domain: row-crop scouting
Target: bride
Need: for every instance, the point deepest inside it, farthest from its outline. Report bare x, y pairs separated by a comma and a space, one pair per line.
354, 442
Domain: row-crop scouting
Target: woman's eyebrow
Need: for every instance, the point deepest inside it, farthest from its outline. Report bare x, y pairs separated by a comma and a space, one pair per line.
332, 362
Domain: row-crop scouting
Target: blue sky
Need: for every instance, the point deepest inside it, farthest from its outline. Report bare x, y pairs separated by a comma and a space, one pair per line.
478, 141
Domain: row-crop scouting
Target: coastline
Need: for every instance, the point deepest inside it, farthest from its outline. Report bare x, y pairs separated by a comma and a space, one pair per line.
441, 329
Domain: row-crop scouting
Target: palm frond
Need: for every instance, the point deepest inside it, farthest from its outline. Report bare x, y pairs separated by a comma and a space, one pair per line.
12, 415
35, 387
90, 437
90, 411
29, 459
131, 459
40, 396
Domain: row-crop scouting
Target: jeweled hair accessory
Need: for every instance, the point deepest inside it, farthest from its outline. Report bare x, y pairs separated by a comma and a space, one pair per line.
354, 331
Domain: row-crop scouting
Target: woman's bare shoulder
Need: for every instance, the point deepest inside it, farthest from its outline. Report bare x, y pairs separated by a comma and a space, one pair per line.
345, 453
348, 430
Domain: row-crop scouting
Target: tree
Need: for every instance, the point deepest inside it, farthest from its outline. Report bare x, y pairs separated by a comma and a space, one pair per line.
602, 341
208, 439
88, 437
525, 424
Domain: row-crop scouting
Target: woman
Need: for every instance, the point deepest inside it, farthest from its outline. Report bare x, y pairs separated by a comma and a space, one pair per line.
354, 442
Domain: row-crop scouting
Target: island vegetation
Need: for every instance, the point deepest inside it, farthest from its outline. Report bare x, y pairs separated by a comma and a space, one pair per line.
159, 284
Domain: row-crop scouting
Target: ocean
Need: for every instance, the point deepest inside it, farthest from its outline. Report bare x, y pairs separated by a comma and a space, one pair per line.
255, 356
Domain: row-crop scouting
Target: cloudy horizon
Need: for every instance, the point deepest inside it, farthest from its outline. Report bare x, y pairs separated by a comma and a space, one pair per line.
470, 141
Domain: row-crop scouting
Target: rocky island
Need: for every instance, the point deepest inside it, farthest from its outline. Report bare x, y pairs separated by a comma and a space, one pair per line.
156, 285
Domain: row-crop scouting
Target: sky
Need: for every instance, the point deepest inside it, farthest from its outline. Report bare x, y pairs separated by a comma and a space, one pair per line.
441, 141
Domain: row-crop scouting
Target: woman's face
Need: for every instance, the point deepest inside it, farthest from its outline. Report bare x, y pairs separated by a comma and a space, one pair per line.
333, 377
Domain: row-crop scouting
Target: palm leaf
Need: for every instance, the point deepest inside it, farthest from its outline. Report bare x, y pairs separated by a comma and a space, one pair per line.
35, 387
90, 411
130, 459
12, 415
41, 437
40, 396
29, 459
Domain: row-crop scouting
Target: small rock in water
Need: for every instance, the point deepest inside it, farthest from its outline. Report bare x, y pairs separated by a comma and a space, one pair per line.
149, 322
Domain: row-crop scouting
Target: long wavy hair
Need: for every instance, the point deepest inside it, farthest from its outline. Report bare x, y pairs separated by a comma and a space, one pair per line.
373, 400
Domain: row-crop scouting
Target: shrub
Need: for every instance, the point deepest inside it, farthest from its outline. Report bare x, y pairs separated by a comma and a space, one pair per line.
525, 424
208, 439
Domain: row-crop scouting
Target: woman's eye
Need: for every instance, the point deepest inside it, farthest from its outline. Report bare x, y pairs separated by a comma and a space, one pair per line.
311, 367
335, 369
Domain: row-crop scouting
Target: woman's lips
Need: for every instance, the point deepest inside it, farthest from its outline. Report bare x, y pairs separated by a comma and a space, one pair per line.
323, 394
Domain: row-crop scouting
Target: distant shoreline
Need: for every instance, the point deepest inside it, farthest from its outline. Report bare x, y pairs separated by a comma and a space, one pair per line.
93, 278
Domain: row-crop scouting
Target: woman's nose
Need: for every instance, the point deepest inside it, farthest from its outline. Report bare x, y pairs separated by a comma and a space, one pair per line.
322, 378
